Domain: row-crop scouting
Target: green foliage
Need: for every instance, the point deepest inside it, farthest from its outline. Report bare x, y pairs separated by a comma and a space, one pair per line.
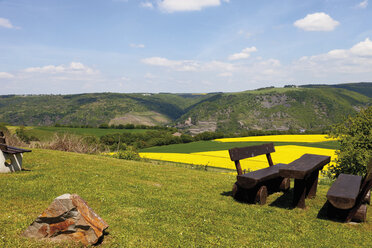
3, 127
355, 137
208, 136
22, 135
103, 125
129, 154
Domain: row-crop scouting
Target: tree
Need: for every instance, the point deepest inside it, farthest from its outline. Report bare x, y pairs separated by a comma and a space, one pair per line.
355, 138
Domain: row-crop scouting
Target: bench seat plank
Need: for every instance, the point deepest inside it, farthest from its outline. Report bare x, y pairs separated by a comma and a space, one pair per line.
12, 150
302, 167
251, 179
344, 191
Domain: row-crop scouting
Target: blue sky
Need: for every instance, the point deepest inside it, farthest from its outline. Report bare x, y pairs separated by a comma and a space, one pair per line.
77, 46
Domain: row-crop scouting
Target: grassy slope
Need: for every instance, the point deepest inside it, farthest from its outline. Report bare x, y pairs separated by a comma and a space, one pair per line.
151, 205
204, 146
362, 88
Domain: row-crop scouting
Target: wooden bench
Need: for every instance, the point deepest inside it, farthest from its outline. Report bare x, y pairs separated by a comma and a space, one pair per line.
254, 186
12, 154
305, 171
348, 196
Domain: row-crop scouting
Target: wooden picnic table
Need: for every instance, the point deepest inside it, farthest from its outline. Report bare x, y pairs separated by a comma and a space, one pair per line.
305, 171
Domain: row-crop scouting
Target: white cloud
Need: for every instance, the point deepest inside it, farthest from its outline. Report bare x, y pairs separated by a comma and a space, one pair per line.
5, 23
362, 5
189, 5
353, 61
72, 68
245, 53
137, 45
147, 5
317, 22
6, 75
178, 65
225, 74
363, 48
189, 65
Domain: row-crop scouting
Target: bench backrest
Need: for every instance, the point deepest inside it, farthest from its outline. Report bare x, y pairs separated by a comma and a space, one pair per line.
239, 153
364, 188
367, 180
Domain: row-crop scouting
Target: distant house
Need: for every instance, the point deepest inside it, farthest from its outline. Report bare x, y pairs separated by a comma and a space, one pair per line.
177, 134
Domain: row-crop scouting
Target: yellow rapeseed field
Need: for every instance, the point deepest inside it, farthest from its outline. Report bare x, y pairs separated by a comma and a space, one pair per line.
283, 154
281, 138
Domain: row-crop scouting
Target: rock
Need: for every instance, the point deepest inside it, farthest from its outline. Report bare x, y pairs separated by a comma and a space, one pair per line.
68, 218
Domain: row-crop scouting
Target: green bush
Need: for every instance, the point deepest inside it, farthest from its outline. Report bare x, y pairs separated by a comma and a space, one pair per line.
128, 154
22, 135
104, 126
355, 139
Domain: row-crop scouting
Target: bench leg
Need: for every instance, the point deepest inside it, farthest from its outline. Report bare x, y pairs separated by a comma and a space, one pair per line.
261, 195
285, 184
244, 195
299, 193
361, 214
312, 184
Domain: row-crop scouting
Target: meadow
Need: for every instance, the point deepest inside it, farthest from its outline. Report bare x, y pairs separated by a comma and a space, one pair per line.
215, 153
152, 204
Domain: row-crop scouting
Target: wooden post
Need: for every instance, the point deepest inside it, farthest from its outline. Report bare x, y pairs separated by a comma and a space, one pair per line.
299, 193
311, 184
285, 184
261, 195
361, 214
268, 156
238, 167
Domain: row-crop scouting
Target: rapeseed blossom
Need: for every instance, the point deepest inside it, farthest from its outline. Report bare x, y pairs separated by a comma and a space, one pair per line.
308, 138
221, 159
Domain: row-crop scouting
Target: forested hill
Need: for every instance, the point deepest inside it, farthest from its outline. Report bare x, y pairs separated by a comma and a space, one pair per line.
310, 107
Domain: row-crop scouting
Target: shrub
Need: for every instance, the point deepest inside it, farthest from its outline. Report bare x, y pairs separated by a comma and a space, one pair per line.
128, 154
22, 135
70, 143
355, 138
104, 126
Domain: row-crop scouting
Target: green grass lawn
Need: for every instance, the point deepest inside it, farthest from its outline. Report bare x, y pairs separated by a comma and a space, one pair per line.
204, 146
46, 133
159, 205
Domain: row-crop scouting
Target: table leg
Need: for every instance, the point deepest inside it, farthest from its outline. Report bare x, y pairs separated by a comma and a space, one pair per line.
312, 184
299, 193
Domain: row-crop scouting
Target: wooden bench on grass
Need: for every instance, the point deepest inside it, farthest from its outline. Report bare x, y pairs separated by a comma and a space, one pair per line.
12, 154
349, 195
305, 171
254, 186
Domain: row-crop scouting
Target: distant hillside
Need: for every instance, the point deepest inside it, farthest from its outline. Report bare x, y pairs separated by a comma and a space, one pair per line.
361, 88
273, 109
95, 109
309, 107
